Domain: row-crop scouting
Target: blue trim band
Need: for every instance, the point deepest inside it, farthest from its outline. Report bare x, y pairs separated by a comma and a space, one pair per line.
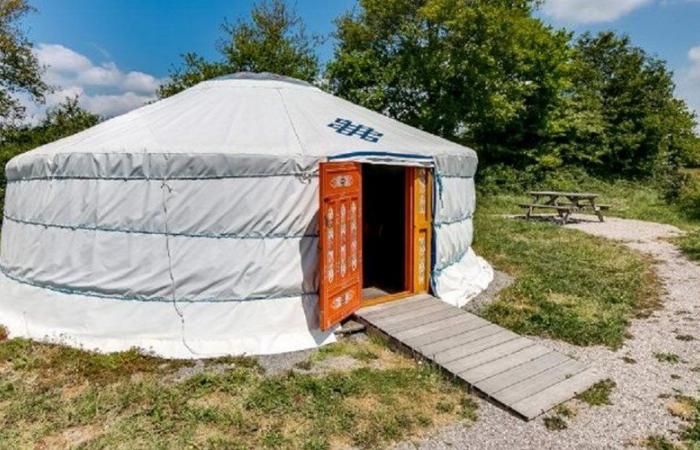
453, 221
192, 235
371, 153
161, 179
466, 177
136, 298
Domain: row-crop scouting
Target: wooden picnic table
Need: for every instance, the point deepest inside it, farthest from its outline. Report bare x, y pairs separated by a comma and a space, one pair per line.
564, 203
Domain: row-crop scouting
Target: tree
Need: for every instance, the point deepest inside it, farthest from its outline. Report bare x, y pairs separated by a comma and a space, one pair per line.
640, 128
481, 72
19, 69
274, 40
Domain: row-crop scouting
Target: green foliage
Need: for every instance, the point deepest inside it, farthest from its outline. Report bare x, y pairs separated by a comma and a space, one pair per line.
631, 124
569, 285
19, 68
491, 75
477, 72
274, 40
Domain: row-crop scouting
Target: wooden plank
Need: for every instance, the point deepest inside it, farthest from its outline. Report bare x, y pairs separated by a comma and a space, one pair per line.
424, 331
520, 373
400, 308
447, 332
367, 310
402, 315
505, 362
486, 355
463, 339
487, 343
418, 321
516, 371
543, 401
526, 388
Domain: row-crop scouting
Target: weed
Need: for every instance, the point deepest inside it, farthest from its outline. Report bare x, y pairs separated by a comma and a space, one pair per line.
670, 358
303, 365
685, 337
555, 423
658, 442
565, 411
598, 394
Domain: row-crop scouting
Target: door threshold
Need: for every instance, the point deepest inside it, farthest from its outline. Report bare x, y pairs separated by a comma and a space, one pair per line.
385, 298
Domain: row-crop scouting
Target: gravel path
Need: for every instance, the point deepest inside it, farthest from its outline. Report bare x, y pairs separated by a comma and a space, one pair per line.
639, 402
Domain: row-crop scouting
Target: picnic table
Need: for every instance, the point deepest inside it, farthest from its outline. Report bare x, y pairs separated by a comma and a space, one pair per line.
564, 203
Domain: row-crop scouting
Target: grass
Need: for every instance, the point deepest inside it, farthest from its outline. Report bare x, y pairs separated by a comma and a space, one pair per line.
670, 358
598, 394
51, 396
628, 200
690, 245
686, 409
568, 285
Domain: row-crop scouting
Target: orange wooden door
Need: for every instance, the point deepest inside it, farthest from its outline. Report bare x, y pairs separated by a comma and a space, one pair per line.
340, 241
420, 185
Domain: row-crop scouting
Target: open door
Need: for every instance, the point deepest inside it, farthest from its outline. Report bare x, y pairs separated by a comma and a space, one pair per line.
420, 215
340, 241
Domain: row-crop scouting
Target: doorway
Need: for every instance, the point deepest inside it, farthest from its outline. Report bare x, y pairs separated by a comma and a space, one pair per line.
384, 231
375, 232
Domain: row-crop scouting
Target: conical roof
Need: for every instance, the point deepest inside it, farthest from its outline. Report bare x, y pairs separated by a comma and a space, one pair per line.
252, 114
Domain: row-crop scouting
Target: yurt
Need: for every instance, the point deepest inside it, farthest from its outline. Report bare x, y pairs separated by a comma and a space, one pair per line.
249, 214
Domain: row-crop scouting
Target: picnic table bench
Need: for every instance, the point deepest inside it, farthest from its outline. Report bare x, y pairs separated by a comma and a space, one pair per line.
564, 203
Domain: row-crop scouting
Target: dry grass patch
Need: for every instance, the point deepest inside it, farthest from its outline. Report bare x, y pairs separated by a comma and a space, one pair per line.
63, 397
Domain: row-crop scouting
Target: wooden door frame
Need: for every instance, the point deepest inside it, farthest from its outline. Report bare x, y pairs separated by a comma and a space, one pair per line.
410, 263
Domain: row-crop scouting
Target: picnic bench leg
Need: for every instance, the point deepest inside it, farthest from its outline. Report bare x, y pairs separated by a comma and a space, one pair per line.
565, 217
528, 213
599, 213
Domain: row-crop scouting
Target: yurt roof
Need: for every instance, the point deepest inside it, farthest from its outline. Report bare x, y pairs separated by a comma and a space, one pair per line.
253, 114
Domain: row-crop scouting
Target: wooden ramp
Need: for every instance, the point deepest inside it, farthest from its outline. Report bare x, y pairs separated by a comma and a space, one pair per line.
518, 373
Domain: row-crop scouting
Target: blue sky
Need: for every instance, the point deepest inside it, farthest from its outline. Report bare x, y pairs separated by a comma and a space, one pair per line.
113, 53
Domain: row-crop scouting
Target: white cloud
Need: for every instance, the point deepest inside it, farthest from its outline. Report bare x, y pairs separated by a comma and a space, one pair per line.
590, 11
688, 81
103, 89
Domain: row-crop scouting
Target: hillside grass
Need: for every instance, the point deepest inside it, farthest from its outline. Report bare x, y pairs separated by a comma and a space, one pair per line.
568, 285
56, 397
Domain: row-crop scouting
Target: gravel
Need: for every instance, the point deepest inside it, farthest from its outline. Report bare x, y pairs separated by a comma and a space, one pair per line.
640, 400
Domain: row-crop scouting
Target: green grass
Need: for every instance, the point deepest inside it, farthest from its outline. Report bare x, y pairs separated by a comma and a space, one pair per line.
51, 396
628, 199
690, 245
598, 394
568, 285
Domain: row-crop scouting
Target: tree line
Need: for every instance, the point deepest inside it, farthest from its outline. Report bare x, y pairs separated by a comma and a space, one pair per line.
488, 74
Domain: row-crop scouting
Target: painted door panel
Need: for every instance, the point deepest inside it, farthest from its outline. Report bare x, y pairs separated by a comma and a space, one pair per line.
340, 241
421, 218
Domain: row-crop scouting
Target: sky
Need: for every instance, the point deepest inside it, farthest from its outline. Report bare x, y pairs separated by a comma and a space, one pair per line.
114, 53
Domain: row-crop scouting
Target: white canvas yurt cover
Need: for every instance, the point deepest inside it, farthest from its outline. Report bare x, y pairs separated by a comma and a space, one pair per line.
189, 227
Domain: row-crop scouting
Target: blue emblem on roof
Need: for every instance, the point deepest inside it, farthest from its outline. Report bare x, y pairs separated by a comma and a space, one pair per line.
347, 128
